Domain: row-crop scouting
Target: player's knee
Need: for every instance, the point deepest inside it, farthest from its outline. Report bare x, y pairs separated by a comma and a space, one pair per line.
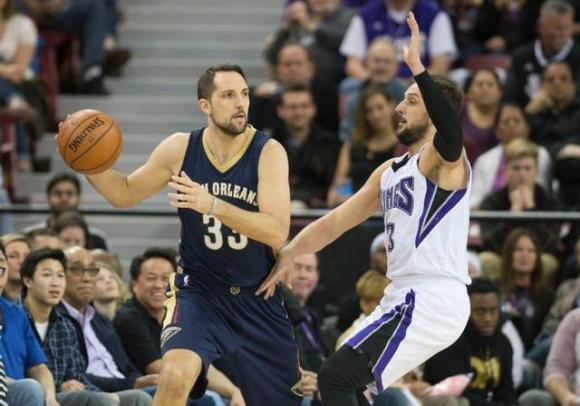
178, 370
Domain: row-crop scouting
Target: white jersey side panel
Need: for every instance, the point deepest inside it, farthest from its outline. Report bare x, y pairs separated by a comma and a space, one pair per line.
423, 238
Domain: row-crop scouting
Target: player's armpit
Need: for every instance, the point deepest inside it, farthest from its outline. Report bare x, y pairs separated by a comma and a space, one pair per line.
127, 191
446, 175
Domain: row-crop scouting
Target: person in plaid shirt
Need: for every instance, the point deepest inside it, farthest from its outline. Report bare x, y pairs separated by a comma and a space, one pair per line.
43, 277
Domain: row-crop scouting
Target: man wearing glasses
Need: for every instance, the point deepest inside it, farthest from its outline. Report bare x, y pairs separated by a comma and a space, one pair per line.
108, 366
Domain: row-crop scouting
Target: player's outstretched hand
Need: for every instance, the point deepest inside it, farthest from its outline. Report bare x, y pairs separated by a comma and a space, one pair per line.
278, 273
190, 195
412, 52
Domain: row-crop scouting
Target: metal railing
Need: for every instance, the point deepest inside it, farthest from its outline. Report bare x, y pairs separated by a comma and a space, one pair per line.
306, 214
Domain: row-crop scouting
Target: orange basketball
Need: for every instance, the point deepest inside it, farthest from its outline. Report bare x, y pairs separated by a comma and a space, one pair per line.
89, 141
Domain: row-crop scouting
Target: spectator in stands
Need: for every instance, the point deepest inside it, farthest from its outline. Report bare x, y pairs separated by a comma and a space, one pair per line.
139, 321
72, 229
526, 299
111, 260
43, 278
567, 298
555, 122
312, 150
294, 66
17, 249
491, 26
108, 366
320, 26
483, 91
43, 238
562, 368
304, 278
373, 142
520, 194
30, 382
349, 308
489, 171
555, 43
370, 289
378, 260
388, 18
382, 64
482, 350
110, 291
63, 192
87, 19
5, 218
19, 39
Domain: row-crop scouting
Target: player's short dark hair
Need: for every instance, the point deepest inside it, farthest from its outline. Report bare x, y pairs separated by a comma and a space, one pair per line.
482, 286
450, 88
63, 177
32, 260
153, 252
294, 88
205, 85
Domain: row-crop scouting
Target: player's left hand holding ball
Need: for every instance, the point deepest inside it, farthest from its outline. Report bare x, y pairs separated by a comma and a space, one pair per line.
190, 195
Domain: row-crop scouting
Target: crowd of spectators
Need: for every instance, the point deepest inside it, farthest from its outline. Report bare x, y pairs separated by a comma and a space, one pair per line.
82, 336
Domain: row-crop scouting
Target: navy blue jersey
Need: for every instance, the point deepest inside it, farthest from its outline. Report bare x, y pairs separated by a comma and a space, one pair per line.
211, 250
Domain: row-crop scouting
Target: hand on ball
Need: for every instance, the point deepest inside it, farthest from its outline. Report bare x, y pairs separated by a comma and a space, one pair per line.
190, 195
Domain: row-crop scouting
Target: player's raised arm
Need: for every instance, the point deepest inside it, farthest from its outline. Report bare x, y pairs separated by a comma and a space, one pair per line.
124, 191
448, 141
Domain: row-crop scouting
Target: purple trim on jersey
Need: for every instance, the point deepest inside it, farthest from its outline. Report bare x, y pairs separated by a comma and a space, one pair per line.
426, 225
396, 339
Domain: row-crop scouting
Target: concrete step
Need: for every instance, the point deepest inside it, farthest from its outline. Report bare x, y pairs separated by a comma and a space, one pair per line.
127, 104
194, 32
268, 12
249, 5
219, 51
156, 68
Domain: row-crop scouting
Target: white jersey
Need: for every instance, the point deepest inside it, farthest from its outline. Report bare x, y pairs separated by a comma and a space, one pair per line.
425, 227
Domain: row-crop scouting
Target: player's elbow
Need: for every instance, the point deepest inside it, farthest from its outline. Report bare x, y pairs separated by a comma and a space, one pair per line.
122, 203
279, 236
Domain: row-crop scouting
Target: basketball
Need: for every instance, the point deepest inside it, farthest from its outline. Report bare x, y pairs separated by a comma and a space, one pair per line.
89, 141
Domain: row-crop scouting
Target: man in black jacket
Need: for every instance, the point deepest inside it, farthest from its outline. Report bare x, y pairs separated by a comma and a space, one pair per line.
108, 366
555, 43
482, 350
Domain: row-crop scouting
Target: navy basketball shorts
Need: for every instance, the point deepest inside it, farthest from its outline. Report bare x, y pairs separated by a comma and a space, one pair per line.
215, 321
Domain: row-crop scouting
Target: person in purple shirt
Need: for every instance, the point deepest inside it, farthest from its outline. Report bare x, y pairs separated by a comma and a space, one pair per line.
380, 18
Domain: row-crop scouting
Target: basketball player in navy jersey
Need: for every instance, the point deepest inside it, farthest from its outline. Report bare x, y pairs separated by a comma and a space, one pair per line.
232, 194
424, 199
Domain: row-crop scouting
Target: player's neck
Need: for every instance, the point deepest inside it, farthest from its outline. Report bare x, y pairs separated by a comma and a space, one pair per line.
416, 146
222, 146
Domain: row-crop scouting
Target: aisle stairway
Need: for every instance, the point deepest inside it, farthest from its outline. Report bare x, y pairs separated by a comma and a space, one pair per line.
173, 41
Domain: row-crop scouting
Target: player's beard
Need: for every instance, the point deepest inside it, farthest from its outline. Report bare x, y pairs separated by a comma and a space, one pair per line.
229, 128
410, 135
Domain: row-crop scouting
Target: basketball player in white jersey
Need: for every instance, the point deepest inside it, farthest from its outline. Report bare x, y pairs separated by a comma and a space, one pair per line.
424, 198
